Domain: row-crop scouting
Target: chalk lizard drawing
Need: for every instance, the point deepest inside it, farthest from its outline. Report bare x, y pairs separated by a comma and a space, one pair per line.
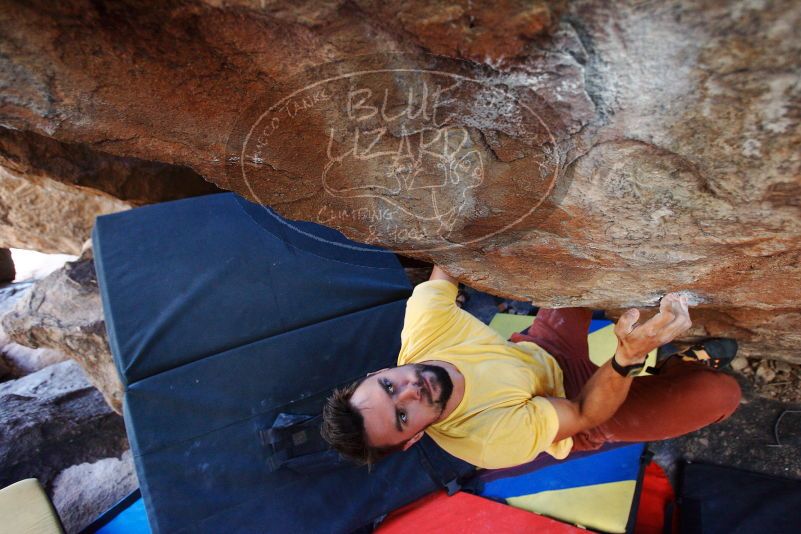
446, 166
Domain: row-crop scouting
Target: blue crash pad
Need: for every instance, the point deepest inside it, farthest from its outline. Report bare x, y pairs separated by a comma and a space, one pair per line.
221, 317
210, 274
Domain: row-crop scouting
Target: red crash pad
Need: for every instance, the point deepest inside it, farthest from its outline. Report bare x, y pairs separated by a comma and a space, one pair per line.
466, 513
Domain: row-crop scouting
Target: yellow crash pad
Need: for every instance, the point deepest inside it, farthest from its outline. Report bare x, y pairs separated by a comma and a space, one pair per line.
26, 509
602, 342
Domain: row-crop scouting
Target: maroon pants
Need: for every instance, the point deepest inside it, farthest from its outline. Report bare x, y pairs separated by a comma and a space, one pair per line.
684, 397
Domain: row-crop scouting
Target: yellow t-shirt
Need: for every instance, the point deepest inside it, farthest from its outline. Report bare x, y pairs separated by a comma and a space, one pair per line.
503, 419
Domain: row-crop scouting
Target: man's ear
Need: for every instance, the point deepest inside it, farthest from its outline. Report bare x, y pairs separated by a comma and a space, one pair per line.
412, 440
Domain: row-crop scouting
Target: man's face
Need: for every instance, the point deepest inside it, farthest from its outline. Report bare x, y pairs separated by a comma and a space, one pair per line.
398, 403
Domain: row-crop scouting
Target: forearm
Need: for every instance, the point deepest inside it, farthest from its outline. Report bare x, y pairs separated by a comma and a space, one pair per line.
606, 389
601, 396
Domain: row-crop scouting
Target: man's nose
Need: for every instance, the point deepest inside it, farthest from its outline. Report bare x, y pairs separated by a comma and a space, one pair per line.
410, 392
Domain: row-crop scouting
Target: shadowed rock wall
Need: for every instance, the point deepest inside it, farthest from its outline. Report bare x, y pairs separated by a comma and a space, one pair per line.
51, 192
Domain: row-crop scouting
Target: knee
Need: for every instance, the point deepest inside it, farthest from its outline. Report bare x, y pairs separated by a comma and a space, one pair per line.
717, 394
727, 394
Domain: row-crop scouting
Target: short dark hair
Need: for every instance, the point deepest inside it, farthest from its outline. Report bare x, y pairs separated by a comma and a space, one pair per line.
343, 428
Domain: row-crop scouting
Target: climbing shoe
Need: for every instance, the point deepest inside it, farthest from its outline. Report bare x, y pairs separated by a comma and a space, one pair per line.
716, 352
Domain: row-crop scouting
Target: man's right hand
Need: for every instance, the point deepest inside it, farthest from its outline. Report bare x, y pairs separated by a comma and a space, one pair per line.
438, 274
634, 341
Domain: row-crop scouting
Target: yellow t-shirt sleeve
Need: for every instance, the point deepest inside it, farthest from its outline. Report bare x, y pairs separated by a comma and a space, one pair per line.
521, 433
434, 297
434, 322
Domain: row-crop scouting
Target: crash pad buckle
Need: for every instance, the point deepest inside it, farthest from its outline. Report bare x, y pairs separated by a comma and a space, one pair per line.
294, 442
452, 487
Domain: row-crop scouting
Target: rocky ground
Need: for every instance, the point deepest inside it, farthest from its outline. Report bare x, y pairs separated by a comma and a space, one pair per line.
771, 379
56, 426
763, 435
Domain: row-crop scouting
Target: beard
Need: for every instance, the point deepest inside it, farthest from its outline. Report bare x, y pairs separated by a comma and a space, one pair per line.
441, 379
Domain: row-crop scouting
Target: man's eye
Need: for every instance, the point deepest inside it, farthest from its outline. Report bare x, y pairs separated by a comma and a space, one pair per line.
402, 416
388, 386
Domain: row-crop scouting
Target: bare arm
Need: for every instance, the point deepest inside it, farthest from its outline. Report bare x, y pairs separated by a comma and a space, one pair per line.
439, 274
606, 390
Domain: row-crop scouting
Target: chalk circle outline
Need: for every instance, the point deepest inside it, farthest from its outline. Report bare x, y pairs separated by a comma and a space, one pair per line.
375, 248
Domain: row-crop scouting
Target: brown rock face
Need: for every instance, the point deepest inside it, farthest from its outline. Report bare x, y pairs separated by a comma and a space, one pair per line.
38, 213
586, 154
131, 180
759, 333
51, 192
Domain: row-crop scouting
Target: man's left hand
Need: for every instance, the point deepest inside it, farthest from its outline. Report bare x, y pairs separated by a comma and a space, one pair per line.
634, 341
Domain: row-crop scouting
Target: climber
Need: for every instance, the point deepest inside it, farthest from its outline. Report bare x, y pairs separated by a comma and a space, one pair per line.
496, 403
